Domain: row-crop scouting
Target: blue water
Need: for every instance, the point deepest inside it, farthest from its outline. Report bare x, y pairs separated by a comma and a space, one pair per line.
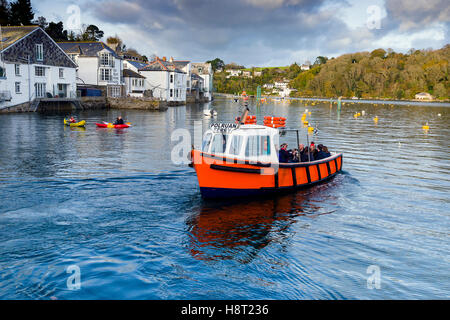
113, 204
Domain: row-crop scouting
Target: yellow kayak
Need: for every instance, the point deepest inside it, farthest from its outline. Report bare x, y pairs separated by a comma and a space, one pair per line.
77, 124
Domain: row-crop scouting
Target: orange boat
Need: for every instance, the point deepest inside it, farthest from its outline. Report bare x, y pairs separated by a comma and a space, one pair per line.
242, 160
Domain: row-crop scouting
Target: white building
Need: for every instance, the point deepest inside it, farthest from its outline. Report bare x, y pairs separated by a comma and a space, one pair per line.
205, 71
233, 72
134, 83
281, 84
185, 66
98, 65
33, 66
166, 81
305, 67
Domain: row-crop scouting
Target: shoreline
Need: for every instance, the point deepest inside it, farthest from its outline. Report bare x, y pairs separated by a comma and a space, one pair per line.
444, 103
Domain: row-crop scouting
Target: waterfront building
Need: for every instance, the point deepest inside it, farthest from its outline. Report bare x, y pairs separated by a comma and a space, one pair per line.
33, 67
134, 83
205, 71
98, 65
166, 81
185, 66
424, 96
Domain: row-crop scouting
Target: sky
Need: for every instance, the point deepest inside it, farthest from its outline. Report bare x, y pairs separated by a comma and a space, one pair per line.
259, 32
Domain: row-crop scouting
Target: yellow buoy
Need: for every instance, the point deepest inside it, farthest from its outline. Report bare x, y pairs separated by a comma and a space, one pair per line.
375, 119
426, 127
310, 129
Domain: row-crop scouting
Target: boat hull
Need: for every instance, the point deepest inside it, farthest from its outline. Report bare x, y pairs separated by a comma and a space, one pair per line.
221, 177
82, 123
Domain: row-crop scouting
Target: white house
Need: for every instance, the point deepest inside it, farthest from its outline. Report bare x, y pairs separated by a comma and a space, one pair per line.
424, 96
281, 84
185, 66
33, 66
134, 83
234, 72
166, 81
305, 67
205, 71
98, 65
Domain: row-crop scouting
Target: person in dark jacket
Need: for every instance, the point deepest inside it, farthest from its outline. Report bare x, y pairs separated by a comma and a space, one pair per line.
305, 157
119, 120
326, 152
283, 155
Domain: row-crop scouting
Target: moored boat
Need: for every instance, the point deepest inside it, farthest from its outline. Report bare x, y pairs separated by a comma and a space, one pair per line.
242, 160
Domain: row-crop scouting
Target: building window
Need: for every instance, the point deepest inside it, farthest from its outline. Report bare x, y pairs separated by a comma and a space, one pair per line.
17, 86
39, 71
40, 90
17, 69
171, 78
105, 74
171, 93
61, 73
106, 60
39, 52
2, 72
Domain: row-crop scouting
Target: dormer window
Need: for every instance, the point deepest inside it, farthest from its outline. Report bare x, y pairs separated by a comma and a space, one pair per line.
106, 60
39, 52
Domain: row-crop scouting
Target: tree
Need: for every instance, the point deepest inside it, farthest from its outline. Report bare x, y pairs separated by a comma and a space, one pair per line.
21, 13
56, 31
144, 58
41, 22
216, 64
5, 12
92, 33
320, 60
116, 43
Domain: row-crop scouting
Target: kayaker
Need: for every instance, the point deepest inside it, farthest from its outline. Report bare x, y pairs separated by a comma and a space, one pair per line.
119, 120
72, 120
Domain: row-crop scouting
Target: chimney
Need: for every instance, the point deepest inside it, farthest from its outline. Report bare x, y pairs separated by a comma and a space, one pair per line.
164, 59
171, 60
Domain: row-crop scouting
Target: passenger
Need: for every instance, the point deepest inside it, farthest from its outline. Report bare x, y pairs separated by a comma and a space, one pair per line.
313, 150
307, 155
283, 155
327, 153
72, 120
295, 156
320, 154
119, 120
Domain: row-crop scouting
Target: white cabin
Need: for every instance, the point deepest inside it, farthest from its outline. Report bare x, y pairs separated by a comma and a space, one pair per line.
254, 143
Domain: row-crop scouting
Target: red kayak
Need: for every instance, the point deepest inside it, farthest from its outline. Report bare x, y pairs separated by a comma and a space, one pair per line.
110, 125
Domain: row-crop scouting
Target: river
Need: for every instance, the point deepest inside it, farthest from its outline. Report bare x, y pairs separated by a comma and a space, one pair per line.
111, 205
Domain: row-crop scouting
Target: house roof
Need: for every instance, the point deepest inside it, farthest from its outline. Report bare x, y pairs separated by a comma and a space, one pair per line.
181, 63
10, 35
161, 65
87, 49
137, 64
196, 76
127, 73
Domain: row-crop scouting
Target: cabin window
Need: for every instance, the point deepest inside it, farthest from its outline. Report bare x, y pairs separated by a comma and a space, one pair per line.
206, 142
235, 145
219, 143
257, 146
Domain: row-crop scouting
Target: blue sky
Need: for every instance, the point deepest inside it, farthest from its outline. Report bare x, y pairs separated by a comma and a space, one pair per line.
262, 32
